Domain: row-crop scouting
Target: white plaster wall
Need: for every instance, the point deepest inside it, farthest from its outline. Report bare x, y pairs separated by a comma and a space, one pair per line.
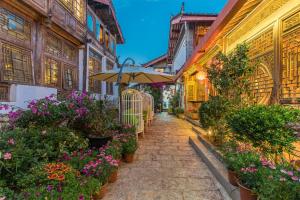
180, 55
20, 95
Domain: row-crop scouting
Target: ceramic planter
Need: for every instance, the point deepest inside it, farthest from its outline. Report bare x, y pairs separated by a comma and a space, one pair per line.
113, 177
232, 177
101, 193
246, 193
128, 158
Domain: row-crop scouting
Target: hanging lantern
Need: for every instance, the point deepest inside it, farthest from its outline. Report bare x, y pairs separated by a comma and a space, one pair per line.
201, 75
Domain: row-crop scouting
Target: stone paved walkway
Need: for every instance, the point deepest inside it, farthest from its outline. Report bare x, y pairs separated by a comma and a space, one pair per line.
166, 167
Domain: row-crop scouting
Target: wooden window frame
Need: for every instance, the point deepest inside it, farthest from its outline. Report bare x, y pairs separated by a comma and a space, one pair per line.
6, 16
10, 74
4, 98
93, 58
73, 77
73, 6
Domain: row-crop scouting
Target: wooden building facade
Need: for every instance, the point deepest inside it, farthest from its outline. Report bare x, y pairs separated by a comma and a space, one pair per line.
272, 30
43, 46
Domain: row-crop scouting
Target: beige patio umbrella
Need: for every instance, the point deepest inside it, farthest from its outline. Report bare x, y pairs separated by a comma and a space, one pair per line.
133, 75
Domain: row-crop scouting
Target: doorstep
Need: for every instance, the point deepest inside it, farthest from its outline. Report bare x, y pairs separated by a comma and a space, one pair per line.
211, 157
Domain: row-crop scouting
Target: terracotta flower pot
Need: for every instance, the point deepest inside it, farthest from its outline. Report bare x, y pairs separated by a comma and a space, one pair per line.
128, 158
101, 193
113, 177
232, 177
246, 193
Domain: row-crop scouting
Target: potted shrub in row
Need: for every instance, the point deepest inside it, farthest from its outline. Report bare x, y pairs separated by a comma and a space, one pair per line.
129, 147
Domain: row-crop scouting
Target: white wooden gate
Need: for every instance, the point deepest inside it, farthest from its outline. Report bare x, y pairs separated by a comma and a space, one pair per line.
132, 109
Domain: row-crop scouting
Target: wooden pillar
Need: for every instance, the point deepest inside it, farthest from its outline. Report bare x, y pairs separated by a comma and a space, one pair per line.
275, 97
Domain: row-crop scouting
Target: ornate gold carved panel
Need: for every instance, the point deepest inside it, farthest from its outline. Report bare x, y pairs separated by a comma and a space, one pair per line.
255, 19
291, 65
262, 81
261, 44
291, 22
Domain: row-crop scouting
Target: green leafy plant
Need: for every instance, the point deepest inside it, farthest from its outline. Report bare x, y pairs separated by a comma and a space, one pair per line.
266, 127
129, 143
20, 149
212, 115
230, 75
178, 111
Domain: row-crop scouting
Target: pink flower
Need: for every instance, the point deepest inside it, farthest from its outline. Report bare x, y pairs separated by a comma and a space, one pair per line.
290, 173
7, 156
294, 178
11, 141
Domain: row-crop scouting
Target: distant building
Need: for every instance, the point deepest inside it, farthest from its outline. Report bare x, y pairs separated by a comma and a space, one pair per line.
160, 65
51, 47
103, 34
186, 29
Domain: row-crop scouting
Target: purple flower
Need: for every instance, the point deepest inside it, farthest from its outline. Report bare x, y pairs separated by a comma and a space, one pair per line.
49, 188
81, 197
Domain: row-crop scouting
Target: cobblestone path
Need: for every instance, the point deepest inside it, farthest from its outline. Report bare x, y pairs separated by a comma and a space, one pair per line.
166, 167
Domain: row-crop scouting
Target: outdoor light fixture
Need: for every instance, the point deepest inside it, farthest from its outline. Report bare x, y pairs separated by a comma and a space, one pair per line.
201, 76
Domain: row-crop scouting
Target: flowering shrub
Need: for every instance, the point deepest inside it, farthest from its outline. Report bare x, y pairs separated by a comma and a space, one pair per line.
20, 149
265, 127
93, 163
129, 143
60, 181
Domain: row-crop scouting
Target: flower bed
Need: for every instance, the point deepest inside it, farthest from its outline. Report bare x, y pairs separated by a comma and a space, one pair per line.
45, 151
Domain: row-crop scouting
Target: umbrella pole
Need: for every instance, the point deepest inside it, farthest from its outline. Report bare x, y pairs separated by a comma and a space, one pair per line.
119, 82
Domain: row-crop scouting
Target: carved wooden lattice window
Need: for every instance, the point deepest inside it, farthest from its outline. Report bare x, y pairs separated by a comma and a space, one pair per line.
14, 25
4, 93
291, 65
69, 52
69, 81
54, 45
52, 72
76, 7
94, 67
17, 64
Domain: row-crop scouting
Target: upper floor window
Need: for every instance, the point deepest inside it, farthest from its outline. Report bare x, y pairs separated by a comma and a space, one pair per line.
76, 7
90, 22
17, 64
14, 25
56, 47
53, 45
97, 29
95, 65
101, 34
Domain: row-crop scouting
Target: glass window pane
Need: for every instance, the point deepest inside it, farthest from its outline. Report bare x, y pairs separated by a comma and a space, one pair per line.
90, 23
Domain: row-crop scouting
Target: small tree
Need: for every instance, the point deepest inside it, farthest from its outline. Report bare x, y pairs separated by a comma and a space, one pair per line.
230, 75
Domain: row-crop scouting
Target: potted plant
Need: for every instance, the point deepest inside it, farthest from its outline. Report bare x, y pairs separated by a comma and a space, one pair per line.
129, 146
100, 124
248, 182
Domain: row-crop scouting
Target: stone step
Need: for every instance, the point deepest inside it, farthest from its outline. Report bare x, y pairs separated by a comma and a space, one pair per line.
211, 158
